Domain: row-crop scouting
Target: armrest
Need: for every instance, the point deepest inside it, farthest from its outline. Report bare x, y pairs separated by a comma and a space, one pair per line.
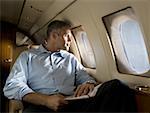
15, 106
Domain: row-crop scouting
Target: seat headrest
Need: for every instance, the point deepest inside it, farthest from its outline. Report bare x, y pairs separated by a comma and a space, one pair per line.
33, 46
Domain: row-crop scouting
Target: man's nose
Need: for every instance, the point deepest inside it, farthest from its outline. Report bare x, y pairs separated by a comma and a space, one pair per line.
69, 39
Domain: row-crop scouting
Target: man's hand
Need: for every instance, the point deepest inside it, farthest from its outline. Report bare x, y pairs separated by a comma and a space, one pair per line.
55, 102
84, 89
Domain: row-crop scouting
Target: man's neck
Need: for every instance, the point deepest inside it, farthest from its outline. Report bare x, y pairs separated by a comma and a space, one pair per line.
52, 49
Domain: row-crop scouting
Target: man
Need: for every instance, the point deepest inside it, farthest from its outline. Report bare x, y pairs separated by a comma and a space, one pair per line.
45, 76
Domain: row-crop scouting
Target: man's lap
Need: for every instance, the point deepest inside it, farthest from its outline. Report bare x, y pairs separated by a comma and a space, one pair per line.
72, 106
112, 96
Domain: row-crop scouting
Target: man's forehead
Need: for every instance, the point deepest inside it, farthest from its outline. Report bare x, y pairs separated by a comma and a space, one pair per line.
66, 30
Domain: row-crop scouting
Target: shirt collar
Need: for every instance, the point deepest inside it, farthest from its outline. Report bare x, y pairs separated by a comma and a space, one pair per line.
43, 50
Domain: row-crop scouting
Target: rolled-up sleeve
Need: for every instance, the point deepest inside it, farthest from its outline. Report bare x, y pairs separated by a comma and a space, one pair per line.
16, 84
81, 75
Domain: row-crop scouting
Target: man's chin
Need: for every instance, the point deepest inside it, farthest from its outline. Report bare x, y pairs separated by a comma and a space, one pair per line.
64, 48
67, 48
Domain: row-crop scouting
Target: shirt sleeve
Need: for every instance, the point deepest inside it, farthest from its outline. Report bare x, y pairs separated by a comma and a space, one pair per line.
81, 75
16, 84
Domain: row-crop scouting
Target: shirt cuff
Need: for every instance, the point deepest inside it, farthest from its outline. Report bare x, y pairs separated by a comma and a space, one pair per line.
25, 92
90, 81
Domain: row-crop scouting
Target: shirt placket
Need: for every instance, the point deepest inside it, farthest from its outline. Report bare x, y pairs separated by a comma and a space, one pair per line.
53, 75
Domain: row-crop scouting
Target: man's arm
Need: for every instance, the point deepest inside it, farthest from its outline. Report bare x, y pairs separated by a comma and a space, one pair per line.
16, 84
53, 102
82, 76
84, 81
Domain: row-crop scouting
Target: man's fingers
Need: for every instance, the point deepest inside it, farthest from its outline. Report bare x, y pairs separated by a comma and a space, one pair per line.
85, 91
62, 101
91, 88
76, 92
81, 90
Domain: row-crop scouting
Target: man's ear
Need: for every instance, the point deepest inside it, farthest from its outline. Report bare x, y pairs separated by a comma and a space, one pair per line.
55, 35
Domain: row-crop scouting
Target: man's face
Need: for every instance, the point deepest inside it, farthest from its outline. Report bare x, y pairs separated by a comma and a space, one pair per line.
64, 39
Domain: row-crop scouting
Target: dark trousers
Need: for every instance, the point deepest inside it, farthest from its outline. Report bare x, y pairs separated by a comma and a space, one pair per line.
112, 96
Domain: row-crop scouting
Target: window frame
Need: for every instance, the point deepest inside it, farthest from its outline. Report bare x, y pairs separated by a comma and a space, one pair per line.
80, 28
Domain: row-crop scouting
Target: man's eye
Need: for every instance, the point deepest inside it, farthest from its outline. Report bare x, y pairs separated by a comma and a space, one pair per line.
66, 35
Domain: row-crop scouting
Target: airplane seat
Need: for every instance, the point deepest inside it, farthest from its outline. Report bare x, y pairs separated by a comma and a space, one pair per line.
15, 106
16, 53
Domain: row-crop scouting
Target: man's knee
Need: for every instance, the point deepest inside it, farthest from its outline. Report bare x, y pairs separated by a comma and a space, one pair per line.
112, 86
115, 83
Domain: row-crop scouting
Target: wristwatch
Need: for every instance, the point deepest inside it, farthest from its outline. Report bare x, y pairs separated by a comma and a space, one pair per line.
90, 82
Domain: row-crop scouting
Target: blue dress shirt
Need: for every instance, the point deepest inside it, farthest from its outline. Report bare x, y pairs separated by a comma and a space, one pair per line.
42, 71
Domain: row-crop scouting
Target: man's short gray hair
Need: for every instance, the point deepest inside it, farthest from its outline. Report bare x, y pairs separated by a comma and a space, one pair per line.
55, 25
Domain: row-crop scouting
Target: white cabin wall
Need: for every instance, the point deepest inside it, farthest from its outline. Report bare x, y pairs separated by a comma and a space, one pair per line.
98, 9
89, 13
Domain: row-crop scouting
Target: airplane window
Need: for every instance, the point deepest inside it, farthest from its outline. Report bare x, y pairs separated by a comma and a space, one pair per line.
85, 49
133, 44
128, 42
